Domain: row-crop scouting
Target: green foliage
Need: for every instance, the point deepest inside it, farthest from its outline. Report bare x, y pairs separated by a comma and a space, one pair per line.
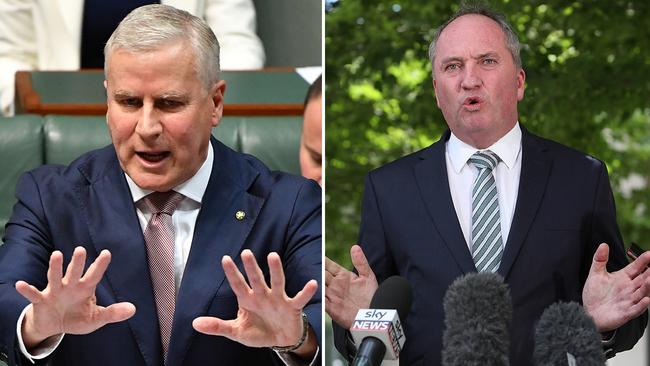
587, 69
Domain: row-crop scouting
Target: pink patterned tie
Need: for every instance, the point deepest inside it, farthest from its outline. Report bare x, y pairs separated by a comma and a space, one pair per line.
159, 239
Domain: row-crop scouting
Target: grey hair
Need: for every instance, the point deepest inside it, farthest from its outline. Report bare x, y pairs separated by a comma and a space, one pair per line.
511, 39
149, 27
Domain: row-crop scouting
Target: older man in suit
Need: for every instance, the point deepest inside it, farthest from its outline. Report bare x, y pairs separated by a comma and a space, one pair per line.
176, 213
490, 196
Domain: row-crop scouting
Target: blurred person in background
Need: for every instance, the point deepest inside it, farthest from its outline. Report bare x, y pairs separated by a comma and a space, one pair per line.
70, 35
311, 140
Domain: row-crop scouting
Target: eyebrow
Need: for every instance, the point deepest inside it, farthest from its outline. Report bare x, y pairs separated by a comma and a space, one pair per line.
122, 94
479, 57
172, 95
447, 60
487, 54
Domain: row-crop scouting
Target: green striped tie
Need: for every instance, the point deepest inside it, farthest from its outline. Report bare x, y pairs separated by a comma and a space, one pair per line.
487, 246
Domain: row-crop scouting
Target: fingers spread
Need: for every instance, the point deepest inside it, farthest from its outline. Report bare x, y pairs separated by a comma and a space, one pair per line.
214, 326
360, 262
639, 307
235, 278
117, 312
29, 292
303, 296
97, 269
55, 270
599, 264
638, 266
277, 273
253, 272
332, 267
328, 278
76, 266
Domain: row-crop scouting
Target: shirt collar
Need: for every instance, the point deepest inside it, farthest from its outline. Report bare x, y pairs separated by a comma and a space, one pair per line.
193, 188
507, 148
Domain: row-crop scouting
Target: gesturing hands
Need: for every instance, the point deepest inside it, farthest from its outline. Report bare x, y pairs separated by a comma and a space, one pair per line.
267, 316
68, 303
346, 292
613, 299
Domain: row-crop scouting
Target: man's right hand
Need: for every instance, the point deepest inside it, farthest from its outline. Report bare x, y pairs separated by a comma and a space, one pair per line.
68, 303
346, 292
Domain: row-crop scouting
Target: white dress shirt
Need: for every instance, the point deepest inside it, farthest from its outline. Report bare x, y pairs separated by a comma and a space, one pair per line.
184, 218
461, 176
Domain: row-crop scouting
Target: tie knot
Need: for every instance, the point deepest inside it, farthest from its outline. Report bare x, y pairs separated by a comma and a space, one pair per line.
162, 202
485, 159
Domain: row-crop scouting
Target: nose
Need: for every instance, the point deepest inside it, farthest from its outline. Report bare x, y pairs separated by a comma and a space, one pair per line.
149, 125
470, 78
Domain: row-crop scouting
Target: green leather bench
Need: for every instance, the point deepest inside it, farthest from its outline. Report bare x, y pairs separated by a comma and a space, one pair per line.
28, 141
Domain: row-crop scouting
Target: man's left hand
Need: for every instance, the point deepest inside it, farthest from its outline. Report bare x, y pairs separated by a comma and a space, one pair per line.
267, 316
613, 299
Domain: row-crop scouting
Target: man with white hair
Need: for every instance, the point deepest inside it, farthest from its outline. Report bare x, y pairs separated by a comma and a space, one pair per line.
178, 215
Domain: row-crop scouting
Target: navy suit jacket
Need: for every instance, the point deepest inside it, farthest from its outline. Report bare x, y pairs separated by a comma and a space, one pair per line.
564, 210
89, 204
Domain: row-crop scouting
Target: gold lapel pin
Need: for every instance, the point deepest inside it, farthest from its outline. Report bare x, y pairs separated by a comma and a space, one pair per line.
240, 215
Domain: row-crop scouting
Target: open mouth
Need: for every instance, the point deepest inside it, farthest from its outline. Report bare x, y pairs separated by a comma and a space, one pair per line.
153, 157
472, 101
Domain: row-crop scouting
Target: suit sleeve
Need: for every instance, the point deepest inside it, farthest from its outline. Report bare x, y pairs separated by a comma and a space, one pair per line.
302, 257
605, 230
24, 256
372, 240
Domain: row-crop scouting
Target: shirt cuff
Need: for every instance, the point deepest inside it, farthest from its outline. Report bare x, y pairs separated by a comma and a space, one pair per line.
608, 340
290, 359
42, 350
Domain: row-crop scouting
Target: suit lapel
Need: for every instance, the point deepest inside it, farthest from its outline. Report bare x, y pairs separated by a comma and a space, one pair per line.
431, 177
217, 233
535, 170
113, 225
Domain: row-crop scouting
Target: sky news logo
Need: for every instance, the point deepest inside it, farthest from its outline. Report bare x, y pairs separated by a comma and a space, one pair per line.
382, 324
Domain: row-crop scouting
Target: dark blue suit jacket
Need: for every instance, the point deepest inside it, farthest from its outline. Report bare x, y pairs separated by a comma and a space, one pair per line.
89, 204
564, 210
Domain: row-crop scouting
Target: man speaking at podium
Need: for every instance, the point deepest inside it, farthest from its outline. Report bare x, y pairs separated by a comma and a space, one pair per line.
490, 196
135, 253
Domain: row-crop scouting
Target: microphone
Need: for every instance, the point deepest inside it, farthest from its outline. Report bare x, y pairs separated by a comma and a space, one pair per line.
567, 335
478, 309
378, 330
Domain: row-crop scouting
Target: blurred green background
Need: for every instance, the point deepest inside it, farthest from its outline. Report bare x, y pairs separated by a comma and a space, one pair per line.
587, 69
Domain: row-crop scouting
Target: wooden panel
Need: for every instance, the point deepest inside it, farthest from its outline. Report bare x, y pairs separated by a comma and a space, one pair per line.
269, 92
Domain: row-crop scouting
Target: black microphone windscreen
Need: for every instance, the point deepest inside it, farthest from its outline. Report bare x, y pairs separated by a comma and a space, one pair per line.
394, 293
567, 328
478, 309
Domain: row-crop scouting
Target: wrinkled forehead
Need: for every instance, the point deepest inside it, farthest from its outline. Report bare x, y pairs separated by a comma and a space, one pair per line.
470, 32
151, 51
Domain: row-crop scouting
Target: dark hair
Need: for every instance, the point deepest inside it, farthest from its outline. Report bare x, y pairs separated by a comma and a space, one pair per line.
315, 89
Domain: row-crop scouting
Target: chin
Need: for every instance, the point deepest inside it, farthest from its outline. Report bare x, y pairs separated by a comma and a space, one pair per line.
152, 183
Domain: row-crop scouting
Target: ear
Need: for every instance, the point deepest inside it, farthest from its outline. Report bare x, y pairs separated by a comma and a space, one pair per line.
521, 83
106, 89
216, 93
435, 90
